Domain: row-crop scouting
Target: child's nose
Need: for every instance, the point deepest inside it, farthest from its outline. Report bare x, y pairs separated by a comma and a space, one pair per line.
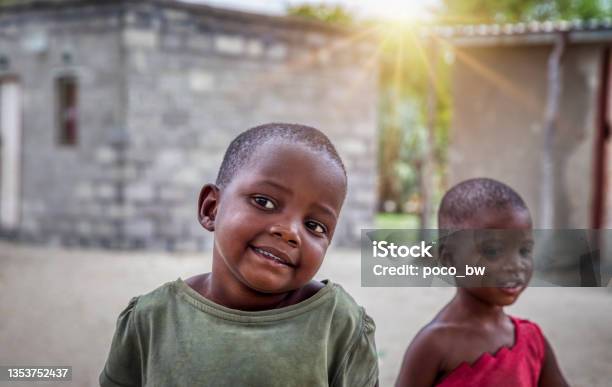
515, 263
286, 232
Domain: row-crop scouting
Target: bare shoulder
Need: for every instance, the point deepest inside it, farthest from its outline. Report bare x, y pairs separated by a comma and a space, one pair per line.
425, 357
440, 334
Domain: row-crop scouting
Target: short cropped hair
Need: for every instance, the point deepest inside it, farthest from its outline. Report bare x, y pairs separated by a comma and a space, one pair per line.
461, 201
239, 152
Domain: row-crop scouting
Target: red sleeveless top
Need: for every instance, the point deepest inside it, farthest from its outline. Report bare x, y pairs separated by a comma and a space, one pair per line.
518, 366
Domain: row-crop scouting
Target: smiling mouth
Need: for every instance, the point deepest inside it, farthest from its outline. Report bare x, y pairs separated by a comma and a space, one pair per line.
510, 284
513, 284
511, 287
271, 256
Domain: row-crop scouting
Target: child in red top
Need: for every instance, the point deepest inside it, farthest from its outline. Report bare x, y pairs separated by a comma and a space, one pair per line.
471, 341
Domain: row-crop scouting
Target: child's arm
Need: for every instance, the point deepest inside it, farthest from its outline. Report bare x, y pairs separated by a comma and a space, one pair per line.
360, 364
122, 367
551, 374
421, 362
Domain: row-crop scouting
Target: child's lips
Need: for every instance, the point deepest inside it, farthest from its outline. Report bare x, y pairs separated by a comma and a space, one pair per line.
511, 287
273, 255
513, 291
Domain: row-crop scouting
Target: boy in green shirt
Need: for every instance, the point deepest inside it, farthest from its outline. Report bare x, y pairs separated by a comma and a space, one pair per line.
258, 319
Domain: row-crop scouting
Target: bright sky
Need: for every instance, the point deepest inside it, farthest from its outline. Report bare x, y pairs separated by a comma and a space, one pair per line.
393, 9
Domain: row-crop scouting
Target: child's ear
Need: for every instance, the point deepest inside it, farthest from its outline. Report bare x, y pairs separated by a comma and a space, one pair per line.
445, 254
207, 206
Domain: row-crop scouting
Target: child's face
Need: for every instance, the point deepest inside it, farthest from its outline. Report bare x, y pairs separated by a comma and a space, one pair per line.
276, 218
501, 241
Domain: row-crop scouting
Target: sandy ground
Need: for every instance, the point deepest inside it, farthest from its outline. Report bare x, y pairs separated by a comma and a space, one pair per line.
58, 307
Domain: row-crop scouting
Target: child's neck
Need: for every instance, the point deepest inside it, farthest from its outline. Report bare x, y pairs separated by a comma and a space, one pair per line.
466, 305
238, 296
219, 287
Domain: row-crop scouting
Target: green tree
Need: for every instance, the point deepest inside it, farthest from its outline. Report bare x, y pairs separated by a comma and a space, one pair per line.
511, 11
414, 82
322, 12
406, 124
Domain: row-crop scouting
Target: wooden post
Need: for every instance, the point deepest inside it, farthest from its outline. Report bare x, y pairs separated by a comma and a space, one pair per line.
555, 86
598, 209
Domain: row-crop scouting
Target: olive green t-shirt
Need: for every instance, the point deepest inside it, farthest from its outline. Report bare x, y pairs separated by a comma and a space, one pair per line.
175, 337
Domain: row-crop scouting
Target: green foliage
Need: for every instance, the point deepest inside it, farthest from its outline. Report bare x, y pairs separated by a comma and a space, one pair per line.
407, 75
411, 70
322, 12
396, 221
509, 11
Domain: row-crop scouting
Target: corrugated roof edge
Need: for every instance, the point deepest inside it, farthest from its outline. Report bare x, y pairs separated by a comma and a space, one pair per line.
594, 30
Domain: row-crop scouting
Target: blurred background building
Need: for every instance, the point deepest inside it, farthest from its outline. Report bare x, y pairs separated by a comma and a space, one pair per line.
115, 113
502, 93
127, 106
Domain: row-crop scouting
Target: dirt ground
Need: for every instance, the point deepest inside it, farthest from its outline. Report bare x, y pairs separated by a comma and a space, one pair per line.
58, 307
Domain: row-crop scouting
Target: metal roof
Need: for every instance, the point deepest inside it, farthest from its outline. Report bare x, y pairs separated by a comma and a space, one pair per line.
578, 31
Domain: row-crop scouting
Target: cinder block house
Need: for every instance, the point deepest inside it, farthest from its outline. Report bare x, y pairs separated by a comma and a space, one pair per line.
114, 113
501, 89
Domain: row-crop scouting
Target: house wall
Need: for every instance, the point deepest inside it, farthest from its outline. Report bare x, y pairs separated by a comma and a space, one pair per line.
195, 83
68, 193
497, 128
162, 91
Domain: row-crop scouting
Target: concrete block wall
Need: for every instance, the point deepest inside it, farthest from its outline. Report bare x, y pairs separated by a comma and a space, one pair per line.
194, 84
162, 92
68, 192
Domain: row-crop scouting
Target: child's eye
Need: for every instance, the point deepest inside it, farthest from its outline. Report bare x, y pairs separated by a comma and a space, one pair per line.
526, 252
264, 202
316, 227
491, 252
